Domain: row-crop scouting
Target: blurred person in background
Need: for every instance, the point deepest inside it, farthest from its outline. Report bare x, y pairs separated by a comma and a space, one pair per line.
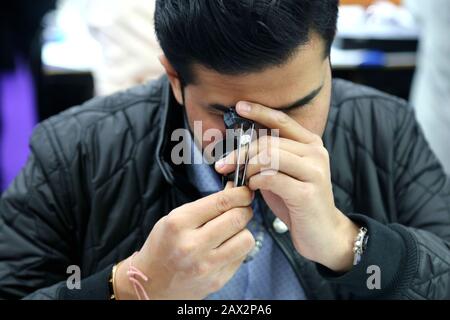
430, 94
125, 31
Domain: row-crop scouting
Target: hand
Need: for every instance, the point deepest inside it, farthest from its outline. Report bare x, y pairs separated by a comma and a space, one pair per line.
292, 172
195, 250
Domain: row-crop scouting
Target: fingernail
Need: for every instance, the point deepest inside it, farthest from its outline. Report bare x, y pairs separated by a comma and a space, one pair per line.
244, 107
220, 164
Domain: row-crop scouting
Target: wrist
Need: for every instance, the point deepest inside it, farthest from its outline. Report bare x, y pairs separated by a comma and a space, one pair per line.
342, 256
123, 289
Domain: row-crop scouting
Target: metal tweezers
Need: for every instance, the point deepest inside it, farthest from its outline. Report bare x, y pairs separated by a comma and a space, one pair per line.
246, 128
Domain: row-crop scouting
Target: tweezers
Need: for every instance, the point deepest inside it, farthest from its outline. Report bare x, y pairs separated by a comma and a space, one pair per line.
246, 128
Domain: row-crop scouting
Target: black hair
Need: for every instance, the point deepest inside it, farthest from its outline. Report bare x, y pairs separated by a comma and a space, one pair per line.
240, 36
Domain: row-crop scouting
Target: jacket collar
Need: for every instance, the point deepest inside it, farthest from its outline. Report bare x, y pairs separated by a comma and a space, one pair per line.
172, 118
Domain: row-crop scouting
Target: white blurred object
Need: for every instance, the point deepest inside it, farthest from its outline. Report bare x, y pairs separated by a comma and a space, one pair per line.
113, 39
388, 14
68, 45
382, 20
125, 31
431, 90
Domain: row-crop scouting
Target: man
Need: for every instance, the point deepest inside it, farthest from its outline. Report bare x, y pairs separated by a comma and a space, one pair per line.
353, 170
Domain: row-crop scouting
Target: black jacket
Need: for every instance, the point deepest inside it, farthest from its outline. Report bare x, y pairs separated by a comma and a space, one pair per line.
99, 177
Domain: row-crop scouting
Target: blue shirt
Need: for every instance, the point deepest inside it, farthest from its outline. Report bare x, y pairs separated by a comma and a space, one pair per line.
268, 275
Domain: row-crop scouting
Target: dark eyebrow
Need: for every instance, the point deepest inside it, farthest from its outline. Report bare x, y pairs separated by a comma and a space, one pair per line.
301, 102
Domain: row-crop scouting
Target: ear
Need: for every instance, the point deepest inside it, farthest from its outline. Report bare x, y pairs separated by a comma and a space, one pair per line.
174, 79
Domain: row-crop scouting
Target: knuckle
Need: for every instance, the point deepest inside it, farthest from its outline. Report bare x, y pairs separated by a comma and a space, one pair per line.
237, 220
242, 198
179, 210
325, 155
160, 223
268, 151
259, 182
222, 202
317, 140
274, 155
282, 118
318, 172
322, 152
263, 157
248, 214
200, 269
213, 260
249, 240
184, 250
265, 142
247, 199
172, 223
269, 179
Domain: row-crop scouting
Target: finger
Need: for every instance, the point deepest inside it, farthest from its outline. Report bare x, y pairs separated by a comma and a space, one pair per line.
285, 162
228, 186
225, 226
198, 213
238, 246
228, 271
228, 164
225, 273
237, 157
275, 119
279, 184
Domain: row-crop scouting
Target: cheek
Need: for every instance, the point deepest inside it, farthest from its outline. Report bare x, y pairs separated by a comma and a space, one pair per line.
314, 117
205, 123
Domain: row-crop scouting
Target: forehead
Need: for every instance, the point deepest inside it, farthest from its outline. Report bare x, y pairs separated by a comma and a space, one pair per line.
301, 74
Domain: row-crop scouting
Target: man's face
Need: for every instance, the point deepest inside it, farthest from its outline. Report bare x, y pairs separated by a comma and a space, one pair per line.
301, 87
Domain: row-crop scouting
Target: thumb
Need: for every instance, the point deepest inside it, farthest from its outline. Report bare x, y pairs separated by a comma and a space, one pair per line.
229, 185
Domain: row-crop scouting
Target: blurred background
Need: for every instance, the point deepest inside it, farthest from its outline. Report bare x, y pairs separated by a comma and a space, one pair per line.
57, 54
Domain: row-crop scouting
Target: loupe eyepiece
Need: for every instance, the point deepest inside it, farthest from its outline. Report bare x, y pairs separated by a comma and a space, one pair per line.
234, 121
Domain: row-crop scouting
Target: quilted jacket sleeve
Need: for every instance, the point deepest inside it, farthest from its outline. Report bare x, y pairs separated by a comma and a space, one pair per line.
413, 252
38, 235
423, 202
